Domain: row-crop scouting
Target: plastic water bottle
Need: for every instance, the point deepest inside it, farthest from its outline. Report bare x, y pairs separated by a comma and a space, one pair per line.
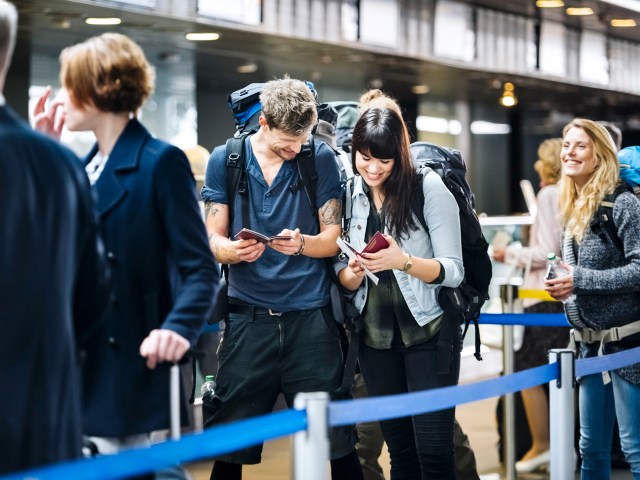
555, 270
208, 387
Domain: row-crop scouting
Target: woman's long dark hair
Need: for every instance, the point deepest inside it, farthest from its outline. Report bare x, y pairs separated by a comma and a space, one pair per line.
381, 133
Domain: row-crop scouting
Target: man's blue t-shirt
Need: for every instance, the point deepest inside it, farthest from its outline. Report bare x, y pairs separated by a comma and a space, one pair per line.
277, 281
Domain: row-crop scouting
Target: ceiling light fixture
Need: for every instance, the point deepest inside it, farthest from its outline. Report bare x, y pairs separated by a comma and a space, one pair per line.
202, 36
249, 67
623, 22
508, 98
420, 89
579, 11
103, 21
549, 3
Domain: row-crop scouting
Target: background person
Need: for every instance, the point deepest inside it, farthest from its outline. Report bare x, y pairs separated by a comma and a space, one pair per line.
53, 285
163, 274
544, 237
606, 283
280, 335
401, 314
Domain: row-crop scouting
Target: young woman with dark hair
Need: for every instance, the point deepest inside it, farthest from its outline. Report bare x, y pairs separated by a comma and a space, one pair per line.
401, 314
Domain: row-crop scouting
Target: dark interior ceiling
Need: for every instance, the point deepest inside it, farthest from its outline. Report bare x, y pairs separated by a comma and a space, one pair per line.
53, 24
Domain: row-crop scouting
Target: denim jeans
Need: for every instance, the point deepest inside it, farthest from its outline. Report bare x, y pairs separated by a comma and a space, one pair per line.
420, 447
598, 405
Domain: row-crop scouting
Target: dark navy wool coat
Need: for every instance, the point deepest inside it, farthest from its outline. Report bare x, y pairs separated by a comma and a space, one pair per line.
53, 292
163, 276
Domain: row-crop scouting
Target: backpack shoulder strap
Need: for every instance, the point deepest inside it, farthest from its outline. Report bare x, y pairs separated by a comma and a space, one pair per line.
236, 176
417, 201
346, 208
306, 161
605, 215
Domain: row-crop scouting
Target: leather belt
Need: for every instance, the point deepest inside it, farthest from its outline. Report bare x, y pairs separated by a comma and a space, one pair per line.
251, 310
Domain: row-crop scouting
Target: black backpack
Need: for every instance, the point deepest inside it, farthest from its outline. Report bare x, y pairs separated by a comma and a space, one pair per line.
473, 292
348, 115
466, 300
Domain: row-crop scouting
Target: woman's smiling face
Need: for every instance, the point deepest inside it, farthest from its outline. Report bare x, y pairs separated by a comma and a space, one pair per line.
578, 156
374, 171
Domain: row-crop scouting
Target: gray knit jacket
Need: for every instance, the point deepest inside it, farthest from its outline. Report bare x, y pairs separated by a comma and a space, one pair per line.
607, 281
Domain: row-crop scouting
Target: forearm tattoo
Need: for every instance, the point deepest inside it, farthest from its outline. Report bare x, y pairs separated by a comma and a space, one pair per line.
331, 211
210, 208
216, 246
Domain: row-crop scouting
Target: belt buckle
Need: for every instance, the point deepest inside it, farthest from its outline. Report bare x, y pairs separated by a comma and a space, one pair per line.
274, 314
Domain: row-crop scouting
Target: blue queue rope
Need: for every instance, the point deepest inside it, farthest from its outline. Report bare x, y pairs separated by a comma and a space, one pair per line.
210, 443
525, 319
346, 412
238, 435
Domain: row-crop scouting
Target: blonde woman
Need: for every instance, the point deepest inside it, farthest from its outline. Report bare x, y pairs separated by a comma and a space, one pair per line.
605, 280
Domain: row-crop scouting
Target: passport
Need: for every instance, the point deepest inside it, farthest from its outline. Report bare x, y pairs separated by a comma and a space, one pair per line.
247, 234
376, 244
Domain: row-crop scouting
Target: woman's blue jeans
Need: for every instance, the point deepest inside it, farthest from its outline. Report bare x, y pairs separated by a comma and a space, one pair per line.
420, 447
599, 403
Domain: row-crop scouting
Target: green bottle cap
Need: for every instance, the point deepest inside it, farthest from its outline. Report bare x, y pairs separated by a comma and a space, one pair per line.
551, 256
209, 378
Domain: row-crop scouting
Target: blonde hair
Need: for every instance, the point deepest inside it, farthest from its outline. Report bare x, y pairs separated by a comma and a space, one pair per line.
109, 71
376, 98
578, 209
548, 164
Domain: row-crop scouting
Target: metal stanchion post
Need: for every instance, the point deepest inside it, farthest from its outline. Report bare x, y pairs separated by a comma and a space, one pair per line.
561, 415
508, 294
174, 401
311, 446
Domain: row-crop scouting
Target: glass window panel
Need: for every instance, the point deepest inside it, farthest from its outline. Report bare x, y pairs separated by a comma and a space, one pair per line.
242, 11
594, 64
454, 37
553, 47
379, 22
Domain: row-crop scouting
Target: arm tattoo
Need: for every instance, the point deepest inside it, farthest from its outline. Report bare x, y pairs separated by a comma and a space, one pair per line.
331, 212
210, 208
216, 247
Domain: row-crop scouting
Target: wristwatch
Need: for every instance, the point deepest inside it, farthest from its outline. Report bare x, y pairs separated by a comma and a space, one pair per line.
408, 264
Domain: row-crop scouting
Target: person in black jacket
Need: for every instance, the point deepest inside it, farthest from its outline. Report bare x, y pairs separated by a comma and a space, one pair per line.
53, 285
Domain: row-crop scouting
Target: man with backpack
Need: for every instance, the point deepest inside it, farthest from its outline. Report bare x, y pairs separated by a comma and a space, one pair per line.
280, 335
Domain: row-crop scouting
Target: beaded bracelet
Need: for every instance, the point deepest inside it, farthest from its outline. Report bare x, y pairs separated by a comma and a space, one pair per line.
301, 246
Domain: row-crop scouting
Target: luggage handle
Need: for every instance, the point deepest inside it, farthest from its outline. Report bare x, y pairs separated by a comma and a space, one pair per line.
174, 401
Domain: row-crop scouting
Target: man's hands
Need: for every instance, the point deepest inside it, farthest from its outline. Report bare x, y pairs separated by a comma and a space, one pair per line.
163, 346
290, 246
248, 250
48, 119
